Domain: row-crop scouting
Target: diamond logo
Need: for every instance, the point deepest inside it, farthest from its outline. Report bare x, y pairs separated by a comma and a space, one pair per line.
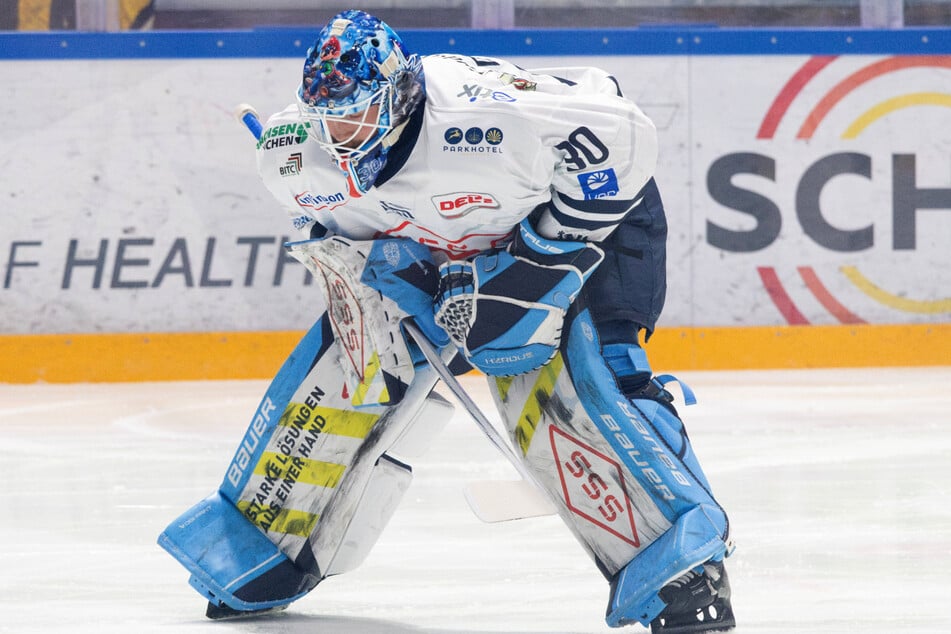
593, 486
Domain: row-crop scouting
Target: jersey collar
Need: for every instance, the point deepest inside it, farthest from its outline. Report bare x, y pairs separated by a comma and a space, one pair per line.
399, 153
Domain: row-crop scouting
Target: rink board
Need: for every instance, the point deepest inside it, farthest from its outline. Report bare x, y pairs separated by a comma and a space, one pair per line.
807, 190
248, 355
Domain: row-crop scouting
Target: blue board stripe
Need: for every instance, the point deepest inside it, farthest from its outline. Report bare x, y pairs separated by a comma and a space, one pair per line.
293, 42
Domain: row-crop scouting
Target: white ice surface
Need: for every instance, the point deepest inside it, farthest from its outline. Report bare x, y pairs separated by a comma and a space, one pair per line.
837, 484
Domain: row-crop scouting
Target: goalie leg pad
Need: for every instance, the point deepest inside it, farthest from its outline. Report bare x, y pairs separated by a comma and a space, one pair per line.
649, 437
235, 564
231, 561
620, 471
304, 495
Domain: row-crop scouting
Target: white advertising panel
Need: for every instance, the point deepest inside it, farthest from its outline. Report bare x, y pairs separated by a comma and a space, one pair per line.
799, 189
821, 189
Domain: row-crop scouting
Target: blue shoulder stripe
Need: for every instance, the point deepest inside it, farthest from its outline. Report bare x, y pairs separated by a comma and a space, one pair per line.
589, 215
572, 222
603, 206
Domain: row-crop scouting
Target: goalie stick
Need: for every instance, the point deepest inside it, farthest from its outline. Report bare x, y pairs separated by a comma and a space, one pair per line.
490, 500
495, 501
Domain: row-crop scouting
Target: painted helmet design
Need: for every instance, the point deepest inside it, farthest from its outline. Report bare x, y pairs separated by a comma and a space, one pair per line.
358, 62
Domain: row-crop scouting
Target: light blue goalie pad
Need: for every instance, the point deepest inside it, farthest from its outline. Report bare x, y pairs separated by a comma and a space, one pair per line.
692, 540
266, 419
621, 472
230, 559
311, 487
321, 469
652, 442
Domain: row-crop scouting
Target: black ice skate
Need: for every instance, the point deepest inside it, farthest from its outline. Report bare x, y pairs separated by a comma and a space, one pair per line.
218, 611
696, 602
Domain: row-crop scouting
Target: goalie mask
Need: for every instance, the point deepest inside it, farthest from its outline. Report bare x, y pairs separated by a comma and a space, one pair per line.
359, 87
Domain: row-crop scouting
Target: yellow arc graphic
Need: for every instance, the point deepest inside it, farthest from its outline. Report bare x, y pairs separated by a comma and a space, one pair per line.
854, 130
894, 301
890, 105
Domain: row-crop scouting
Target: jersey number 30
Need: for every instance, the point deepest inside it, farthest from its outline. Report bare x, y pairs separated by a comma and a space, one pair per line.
582, 145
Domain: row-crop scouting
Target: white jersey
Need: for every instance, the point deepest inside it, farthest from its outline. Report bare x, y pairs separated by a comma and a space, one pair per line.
495, 142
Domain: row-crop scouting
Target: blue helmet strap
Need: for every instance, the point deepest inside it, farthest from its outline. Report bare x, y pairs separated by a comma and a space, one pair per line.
362, 173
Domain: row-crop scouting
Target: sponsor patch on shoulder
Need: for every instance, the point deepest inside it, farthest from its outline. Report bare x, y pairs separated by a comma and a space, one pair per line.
599, 184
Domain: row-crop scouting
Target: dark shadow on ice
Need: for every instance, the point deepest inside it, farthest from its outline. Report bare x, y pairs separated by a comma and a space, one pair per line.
291, 623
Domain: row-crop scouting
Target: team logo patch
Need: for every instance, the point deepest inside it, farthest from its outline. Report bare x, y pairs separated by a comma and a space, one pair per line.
391, 253
599, 184
518, 83
587, 331
460, 203
302, 221
593, 486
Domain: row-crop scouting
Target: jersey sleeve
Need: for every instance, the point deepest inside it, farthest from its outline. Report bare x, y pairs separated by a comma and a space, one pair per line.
282, 130
605, 151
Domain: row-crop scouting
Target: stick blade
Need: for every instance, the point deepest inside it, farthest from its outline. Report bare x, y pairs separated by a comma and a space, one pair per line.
505, 500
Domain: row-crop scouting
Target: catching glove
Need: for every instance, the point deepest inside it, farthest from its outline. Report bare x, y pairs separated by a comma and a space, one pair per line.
504, 310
